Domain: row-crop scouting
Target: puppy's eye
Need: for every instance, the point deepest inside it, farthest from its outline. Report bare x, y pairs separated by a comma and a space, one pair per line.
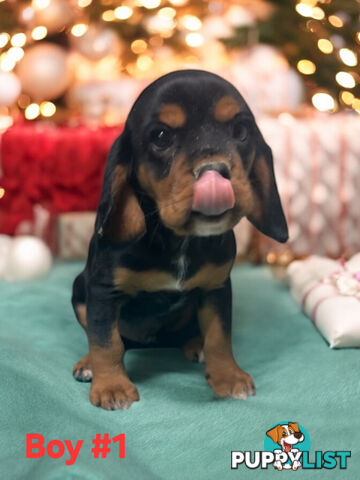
284, 434
240, 129
161, 138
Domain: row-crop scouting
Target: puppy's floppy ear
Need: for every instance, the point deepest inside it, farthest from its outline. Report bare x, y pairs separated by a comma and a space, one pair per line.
274, 434
267, 214
119, 216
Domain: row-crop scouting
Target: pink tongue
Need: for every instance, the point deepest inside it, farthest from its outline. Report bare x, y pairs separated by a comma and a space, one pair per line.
213, 194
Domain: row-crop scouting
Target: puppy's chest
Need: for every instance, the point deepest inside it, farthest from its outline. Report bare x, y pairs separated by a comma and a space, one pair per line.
181, 273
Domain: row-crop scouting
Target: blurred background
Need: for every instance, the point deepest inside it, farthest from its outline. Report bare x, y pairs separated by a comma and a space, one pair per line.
71, 69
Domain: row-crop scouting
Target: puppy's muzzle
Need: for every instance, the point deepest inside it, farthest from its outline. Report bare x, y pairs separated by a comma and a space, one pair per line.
213, 191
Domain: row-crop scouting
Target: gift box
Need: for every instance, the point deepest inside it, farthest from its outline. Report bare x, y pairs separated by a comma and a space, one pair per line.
59, 167
316, 161
329, 293
74, 233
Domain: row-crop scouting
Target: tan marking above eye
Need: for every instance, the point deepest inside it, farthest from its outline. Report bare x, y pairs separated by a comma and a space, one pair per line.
226, 108
172, 115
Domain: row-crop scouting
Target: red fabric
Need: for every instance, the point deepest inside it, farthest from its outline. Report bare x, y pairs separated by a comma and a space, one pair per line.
60, 168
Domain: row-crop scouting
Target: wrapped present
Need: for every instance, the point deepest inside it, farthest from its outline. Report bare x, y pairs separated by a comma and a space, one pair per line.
74, 233
316, 161
329, 293
59, 167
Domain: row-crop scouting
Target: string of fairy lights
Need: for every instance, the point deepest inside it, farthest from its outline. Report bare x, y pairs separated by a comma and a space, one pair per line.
347, 78
145, 25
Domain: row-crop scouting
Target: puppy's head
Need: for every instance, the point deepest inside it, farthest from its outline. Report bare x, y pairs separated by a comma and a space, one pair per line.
191, 144
286, 435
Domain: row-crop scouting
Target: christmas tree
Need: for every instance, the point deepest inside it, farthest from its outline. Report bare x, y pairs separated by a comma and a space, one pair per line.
49, 48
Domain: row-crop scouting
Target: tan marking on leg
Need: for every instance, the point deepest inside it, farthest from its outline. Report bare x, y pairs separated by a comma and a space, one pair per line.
222, 373
172, 115
82, 370
226, 108
111, 387
81, 314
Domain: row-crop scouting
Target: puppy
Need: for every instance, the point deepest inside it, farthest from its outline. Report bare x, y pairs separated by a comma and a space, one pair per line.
190, 163
286, 436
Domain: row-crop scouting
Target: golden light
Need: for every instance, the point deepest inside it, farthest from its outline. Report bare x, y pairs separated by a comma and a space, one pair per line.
358, 37
306, 67
311, 3
304, 10
144, 62
6, 63
190, 22
4, 38
138, 46
2, 192
108, 16
347, 97
18, 40
123, 12
178, 3
40, 4
79, 29
323, 102
32, 111
194, 39
84, 3
345, 79
167, 12
318, 13
348, 57
150, 3
47, 109
325, 46
39, 32
15, 53
356, 105
335, 21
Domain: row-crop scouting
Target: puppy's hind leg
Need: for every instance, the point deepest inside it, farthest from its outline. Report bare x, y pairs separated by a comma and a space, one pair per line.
82, 370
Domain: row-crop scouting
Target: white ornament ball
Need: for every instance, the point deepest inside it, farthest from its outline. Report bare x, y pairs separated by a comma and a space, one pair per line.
10, 88
45, 71
57, 15
26, 258
97, 43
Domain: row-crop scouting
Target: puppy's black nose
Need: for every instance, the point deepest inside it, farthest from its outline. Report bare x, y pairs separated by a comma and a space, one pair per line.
219, 167
297, 434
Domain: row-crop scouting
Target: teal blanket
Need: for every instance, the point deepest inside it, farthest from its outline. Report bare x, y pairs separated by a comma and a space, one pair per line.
178, 430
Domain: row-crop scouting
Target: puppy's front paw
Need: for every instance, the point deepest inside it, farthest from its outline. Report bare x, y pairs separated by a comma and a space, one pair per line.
113, 394
82, 370
232, 382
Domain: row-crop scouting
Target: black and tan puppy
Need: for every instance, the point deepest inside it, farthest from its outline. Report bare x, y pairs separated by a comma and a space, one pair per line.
189, 164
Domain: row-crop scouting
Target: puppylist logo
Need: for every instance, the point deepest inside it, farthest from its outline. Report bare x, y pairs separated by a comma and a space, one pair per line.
287, 447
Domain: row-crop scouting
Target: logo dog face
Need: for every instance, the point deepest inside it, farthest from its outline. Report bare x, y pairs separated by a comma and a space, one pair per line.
286, 435
192, 146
